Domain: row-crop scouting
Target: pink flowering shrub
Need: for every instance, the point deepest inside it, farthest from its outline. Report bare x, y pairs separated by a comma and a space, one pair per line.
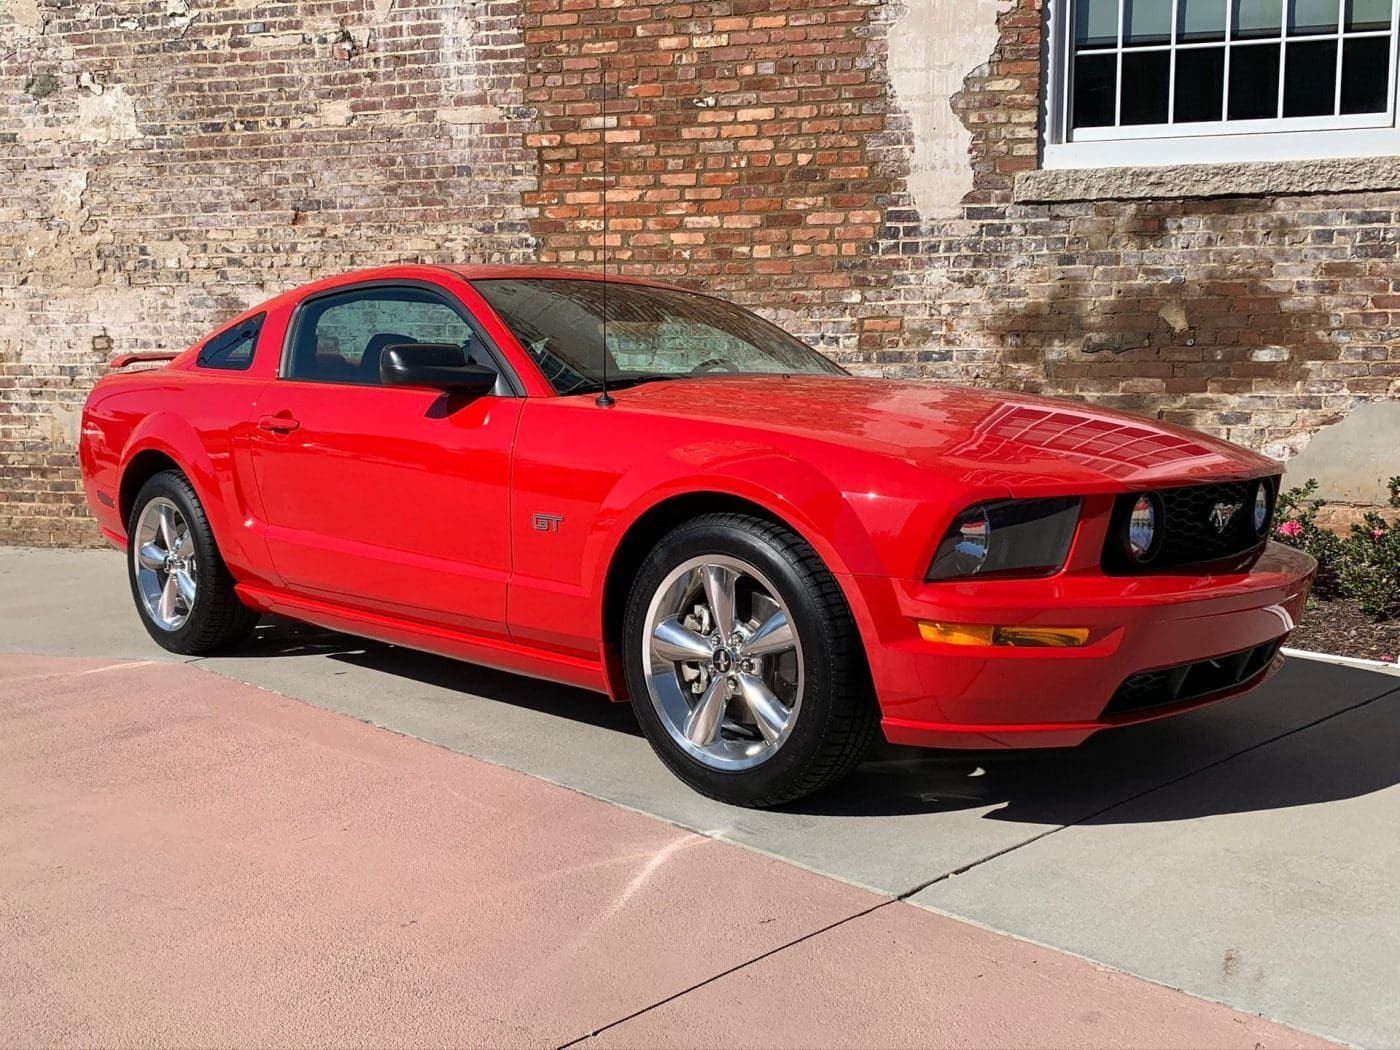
1364, 566
1370, 569
1296, 525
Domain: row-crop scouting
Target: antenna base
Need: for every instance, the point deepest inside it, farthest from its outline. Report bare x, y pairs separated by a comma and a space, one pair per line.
605, 400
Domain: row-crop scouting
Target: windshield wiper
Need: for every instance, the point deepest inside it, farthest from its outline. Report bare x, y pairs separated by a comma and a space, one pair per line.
622, 382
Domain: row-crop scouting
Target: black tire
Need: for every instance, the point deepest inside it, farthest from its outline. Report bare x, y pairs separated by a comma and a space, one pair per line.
838, 715
217, 620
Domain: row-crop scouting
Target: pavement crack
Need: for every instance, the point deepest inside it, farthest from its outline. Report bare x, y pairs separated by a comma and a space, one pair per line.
733, 969
1143, 793
1008, 849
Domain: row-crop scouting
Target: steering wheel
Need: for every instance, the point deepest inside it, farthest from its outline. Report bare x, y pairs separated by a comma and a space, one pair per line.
714, 364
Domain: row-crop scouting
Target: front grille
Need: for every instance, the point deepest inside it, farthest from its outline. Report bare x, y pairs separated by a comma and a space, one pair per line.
1193, 681
1191, 526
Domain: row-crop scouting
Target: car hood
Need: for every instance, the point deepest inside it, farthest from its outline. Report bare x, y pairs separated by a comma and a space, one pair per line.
980, 436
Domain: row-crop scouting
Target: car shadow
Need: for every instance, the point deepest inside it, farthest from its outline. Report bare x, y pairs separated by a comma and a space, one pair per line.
277, 638
1315, 733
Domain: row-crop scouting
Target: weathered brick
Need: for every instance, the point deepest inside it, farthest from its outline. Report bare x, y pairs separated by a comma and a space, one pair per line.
753, 148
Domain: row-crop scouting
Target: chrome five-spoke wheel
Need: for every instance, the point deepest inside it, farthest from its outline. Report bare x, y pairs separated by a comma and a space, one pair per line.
743, 663
167, 572
724, 664
186, 595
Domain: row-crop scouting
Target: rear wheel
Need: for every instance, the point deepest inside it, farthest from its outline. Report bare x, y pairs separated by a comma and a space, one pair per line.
744, 665
183, 591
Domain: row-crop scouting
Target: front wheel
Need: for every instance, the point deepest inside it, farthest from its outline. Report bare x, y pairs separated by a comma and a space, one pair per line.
744, 664
184, 592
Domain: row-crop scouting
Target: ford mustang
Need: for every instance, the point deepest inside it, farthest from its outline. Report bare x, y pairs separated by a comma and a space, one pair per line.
654, 494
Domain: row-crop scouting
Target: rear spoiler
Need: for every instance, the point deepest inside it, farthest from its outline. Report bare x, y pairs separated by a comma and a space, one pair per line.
141, 357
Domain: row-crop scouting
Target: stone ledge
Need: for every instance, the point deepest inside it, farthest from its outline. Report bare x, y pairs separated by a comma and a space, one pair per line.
1266, 178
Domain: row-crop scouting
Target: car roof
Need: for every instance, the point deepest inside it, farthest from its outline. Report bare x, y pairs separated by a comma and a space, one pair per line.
520, 272
409, 270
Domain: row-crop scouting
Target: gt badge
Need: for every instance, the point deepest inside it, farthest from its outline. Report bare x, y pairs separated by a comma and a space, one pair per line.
548, 522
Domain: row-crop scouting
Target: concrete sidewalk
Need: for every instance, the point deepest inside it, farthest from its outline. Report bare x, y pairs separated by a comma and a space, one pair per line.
1245, 853
186, 860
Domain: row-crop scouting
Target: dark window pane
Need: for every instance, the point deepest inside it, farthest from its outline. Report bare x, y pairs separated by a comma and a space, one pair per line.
1253, 82
232, 349
1363, 15
1146, 80
1095, 78
1200, 84
1200, 20
1307, 17
340, 338
651, 333
1310, 79
1096, 23
1146, 22
1257, 18
1365, 74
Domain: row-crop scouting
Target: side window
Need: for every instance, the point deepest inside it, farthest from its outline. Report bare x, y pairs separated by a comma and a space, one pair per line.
340, 338
232, 348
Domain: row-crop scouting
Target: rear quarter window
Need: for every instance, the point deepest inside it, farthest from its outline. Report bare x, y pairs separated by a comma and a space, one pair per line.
233, 348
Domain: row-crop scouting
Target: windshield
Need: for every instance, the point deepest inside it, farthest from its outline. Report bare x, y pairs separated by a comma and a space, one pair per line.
653, 333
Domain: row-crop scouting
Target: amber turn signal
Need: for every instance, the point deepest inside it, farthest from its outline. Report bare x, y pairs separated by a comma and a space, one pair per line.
988, 634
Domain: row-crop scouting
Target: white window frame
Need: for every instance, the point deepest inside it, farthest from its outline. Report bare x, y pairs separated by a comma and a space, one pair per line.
1215, 142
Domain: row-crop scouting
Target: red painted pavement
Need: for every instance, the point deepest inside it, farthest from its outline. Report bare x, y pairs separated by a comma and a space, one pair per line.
189, 860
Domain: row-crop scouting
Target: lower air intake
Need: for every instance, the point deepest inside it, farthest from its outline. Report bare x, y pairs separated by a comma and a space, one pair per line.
1193, 681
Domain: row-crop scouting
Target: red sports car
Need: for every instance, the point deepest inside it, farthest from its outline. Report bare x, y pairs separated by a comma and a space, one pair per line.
654, 494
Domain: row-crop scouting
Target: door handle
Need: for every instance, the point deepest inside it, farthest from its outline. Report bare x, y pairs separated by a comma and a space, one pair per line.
278, 424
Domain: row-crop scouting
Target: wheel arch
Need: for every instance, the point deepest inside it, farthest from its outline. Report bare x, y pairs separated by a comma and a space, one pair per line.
138, 470
647, 529
165, 441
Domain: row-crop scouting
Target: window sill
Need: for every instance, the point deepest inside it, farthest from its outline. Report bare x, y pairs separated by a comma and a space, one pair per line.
1255, 178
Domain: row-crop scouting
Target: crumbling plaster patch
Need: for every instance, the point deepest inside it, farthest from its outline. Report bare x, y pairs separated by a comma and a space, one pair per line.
62, 423
463, 59
466, 115
288, 41
179, 13
62, 243
1353, 458
933, 46
28, 14
76, 141
334, 113
103, 115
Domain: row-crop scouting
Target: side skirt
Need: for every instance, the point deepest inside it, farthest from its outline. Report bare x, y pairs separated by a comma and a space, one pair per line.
502, 655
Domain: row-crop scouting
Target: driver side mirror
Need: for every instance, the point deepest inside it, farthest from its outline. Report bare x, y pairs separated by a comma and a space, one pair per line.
439, 366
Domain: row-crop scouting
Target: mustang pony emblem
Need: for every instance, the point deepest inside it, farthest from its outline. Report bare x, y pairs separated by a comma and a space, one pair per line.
1222, 514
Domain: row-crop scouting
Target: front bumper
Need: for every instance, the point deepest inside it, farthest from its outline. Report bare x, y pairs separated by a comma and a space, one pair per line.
939, 695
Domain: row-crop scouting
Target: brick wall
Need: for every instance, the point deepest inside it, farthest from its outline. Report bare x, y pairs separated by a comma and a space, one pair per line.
744, 151
171, 163
167, 164
1261, 319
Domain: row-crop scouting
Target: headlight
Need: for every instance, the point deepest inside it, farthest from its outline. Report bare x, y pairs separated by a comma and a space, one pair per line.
971, 536
1007, 538
1263, 505
1145, 528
